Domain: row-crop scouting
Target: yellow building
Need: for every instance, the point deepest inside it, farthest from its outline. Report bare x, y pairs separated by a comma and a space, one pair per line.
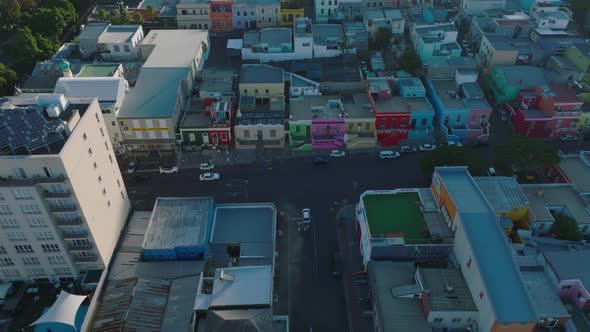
263, 82
289, 14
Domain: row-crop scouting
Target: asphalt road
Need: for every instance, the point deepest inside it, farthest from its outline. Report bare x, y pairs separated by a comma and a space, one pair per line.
316, 298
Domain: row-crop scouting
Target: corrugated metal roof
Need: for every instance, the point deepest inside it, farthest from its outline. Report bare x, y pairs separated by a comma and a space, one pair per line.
502, 192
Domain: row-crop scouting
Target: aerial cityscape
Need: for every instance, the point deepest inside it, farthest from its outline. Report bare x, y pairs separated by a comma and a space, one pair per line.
294, 165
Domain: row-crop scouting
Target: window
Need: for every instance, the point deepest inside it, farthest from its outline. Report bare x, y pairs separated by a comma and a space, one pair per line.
31, 261
2, 250
99, 178
109, 203
224, 136
403, 122
30, 209
5, 261
469, 262
382, 123
62, 271
270, 19
81, 242
101, 132
52, 247
16, 236
122, 195
90, 151
245, 91
22, 194
116, 48
255, 90
322, 10
104, 191
266, 91
11, 273
262, 10
481, 295
56, 260
367, 126
35, 272
23, 249
246, 133
350, 126
306, 44
456, 320
273, 133
36, 222
111, 159
106, 146
238, 13
95, 165
438, 320
44, 236
113, 123
127, 49
8, 223
423, 122
84, 137
251, 13
4, 210
19, 173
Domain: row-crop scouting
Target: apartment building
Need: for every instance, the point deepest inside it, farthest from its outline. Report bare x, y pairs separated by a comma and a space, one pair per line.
476, 7
193, 14
111, 42
63, 202
268, 13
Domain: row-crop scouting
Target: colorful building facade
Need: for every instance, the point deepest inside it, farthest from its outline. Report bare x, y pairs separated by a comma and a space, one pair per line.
289, 14
221, 16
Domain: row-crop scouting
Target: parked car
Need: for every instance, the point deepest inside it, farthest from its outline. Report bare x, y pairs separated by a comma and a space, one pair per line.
451, 143
323, 161
388, 154
337, 153
169, 170
568, 138
209, 177
407, 148
427, 147
132, 167
206, 166
139, 178
306, 213
491, 171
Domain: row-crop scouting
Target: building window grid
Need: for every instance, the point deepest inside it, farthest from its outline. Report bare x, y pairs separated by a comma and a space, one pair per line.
6, 261
16, 236
11, 273
3, 250
9, 223
36, 222
24, 249
31, 261
51, 247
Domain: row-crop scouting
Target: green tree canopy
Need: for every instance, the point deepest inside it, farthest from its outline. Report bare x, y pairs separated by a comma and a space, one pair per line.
10, 13
382, 39
138, 18
49, 22
103, 15
115, 16
453, 156
47, 45
525, 153
151, 12
566, 228
8, 80
126, 17
410, 61
24, 49
65, 7
28, 6
580, 10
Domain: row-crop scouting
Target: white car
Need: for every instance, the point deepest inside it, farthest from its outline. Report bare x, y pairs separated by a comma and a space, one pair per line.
209, 177
427, 147
306, 213
169, 170
132, 167
451, 143
337, 153
407, 148
206, 167
388, 154
568, 138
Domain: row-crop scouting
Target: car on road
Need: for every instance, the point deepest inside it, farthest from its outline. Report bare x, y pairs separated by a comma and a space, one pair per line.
388, 154
568, 138
337, 153
306, 213
451, 143
169, 170
427, 147
132, 167
206, 166
491, 171
407, 148
209, 177
320, 161
139, 178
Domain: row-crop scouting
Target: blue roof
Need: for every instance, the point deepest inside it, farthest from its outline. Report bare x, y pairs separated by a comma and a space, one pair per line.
499, 272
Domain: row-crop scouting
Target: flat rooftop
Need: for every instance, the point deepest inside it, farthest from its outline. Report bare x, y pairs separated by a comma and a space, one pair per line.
250, 225
98, 70
446, 289
260, 73
502, 192
357, 106
497, 268
118, 34
449, 99
545, 300
577, 170
216, 79
397, 104
557, 196
174, 48
327, 34
179, 222
323, 107
93, 30
242, 286
397, 213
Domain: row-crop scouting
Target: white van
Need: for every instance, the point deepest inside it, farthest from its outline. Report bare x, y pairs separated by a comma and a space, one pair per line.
388, 154
491, 171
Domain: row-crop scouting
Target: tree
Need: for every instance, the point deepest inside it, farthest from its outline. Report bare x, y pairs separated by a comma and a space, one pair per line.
382, 39
151, 12
410, 62
580, 10
24, 49
103, 15
138, 18
453, 156
566, 228
8, 80
65, 7
28, 6
49, 22
115, 16
529, 155
125, 17
47, 45
10, 13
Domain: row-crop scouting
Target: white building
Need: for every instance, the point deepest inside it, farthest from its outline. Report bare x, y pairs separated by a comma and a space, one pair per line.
64, 203
112, 42
193, 14
110, 92
389, 18
325, 9
278, 44
327, 40
556, 18
477, 7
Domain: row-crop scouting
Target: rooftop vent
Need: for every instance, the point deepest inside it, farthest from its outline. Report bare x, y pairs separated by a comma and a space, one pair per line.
226, 276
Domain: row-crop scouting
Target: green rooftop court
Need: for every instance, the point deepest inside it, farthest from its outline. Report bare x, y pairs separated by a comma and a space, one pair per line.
98, 70
396, 213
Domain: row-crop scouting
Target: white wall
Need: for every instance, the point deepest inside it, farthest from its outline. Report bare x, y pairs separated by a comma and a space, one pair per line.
321, 51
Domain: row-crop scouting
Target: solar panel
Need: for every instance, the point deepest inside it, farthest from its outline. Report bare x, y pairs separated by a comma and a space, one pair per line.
27, 127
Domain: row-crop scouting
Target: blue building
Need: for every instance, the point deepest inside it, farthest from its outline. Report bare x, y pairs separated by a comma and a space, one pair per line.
244, 14
179, 229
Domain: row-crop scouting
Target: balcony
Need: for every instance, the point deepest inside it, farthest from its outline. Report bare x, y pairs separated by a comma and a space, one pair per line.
80, 247
68, 222
29, 182
86, 259
75, 235
71, 208
55, 194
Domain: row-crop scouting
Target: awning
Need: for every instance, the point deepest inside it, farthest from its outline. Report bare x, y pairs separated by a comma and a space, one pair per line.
63, 310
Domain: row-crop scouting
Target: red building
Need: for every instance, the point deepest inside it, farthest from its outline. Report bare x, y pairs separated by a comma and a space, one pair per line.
392, 114
210, 125
221, 16
547, 111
